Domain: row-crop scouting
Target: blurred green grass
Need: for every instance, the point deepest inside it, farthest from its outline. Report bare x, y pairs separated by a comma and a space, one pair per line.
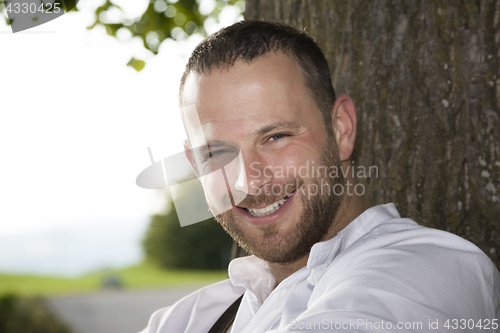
144, 275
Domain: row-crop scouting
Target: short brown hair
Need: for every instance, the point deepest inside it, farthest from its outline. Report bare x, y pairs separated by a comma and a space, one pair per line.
248, 40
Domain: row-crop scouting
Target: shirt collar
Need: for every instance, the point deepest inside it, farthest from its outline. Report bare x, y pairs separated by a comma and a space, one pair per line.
253, 274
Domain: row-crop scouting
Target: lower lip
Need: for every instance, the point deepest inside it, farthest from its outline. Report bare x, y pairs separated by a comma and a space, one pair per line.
263, 220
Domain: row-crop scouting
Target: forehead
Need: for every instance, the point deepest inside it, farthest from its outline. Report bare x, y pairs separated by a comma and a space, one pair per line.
243, 97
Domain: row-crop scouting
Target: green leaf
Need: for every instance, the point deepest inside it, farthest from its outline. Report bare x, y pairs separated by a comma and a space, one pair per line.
137, 64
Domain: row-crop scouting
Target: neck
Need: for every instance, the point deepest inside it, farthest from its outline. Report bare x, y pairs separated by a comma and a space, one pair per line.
350, 208
283, 270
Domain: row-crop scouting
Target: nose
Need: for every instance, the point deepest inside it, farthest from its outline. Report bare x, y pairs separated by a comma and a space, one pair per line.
253, 174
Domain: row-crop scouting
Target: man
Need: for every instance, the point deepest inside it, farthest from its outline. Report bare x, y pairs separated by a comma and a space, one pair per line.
258, 103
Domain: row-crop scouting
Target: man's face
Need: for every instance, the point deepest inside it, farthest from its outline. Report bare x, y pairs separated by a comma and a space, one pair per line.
260, 117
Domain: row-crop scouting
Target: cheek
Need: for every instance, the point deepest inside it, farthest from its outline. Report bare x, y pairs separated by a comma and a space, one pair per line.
216, 192
213, 185
294, 163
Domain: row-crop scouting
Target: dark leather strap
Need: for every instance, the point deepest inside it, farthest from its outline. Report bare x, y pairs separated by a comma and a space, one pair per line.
226, 320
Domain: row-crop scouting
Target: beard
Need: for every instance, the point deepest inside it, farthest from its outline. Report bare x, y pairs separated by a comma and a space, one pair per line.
317, 216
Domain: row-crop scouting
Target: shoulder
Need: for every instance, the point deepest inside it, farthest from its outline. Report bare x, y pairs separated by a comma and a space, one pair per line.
414, 268
381, 231
196, 312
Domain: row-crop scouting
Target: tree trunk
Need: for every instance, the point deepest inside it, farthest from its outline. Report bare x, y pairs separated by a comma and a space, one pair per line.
425, 79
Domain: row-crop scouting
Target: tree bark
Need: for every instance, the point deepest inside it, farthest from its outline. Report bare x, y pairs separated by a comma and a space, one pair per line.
425, 79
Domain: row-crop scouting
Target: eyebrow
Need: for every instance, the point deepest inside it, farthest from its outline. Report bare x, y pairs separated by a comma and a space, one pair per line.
275, 125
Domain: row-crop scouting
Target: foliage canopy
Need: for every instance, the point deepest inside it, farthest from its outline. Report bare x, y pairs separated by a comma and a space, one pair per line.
203, 245
163, 19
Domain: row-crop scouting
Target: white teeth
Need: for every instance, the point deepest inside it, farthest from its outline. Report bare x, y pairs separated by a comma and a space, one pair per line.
268, 209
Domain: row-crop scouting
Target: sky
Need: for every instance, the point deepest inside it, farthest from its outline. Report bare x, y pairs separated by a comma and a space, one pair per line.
75, 124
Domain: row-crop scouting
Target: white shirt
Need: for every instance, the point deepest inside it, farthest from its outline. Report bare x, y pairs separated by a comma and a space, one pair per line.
381, 273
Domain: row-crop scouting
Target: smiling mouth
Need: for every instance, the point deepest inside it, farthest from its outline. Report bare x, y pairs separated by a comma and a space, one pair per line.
259, 212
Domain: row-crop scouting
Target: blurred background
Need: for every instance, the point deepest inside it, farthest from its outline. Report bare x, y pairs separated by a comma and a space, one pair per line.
82, 247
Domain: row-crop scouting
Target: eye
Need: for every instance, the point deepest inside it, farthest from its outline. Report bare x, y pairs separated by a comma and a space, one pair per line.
213, 154
277, 137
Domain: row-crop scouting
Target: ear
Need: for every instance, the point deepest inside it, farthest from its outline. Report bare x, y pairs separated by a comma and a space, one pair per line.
189, 155
344, 126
